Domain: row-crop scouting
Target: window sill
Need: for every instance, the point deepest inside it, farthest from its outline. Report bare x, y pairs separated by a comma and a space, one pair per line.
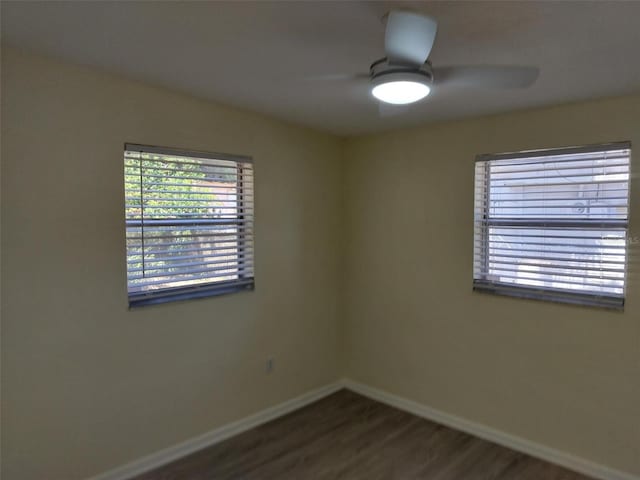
190, 293
557, 296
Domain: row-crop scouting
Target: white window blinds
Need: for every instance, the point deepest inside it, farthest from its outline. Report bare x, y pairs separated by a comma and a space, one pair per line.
553, 224
189, 224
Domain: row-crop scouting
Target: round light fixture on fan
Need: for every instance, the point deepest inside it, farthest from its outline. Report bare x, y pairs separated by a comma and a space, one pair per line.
400, 93
400, 85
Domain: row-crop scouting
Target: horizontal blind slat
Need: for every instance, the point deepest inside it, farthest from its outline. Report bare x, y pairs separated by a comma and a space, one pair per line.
593, 252
186, 193
168, 246
517, 183
186, 275
587, 265
559, 154
548, 199
544, 267
135, 259
170, 197
567, 165
164, 265
210, 272
213, 163
529, 280
544, 235
207, 237
588, 176
136, 254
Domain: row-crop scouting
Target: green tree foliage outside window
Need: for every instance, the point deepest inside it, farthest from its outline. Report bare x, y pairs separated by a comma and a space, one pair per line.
189, 191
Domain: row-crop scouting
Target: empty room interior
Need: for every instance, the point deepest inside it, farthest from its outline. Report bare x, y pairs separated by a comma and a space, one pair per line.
300, 240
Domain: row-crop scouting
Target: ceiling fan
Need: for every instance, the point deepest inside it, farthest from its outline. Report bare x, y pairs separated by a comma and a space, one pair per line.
405, 75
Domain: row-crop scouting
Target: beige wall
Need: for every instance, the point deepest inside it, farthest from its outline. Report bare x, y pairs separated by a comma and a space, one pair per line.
89, 385
567, 377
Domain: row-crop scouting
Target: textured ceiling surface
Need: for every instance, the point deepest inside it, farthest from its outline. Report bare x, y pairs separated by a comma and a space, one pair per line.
289, 59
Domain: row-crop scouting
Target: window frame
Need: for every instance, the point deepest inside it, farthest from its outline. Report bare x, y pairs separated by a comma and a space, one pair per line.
213, 288
486, 285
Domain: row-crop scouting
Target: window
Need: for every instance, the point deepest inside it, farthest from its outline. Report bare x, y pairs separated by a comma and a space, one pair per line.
189, 222
553, 224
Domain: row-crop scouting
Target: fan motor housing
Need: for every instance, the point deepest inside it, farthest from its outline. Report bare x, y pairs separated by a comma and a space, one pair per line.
382, 71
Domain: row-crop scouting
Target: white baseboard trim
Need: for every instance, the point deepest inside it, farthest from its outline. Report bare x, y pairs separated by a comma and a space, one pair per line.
513, 442
214, 436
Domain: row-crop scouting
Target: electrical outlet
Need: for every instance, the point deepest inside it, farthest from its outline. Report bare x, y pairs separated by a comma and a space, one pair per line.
270, 365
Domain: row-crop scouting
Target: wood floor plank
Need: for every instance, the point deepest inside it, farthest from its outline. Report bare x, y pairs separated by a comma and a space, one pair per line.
346, 436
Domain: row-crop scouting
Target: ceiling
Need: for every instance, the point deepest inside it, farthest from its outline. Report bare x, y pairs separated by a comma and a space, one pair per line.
285, 59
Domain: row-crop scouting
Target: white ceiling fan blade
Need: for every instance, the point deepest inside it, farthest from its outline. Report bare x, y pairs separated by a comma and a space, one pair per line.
409, 37
487, 76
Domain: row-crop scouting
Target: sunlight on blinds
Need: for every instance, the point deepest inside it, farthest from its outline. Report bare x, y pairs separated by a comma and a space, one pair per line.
189, 224
553, 224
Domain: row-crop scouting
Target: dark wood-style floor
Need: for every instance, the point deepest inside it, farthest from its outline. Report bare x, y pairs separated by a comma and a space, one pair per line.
347, 436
